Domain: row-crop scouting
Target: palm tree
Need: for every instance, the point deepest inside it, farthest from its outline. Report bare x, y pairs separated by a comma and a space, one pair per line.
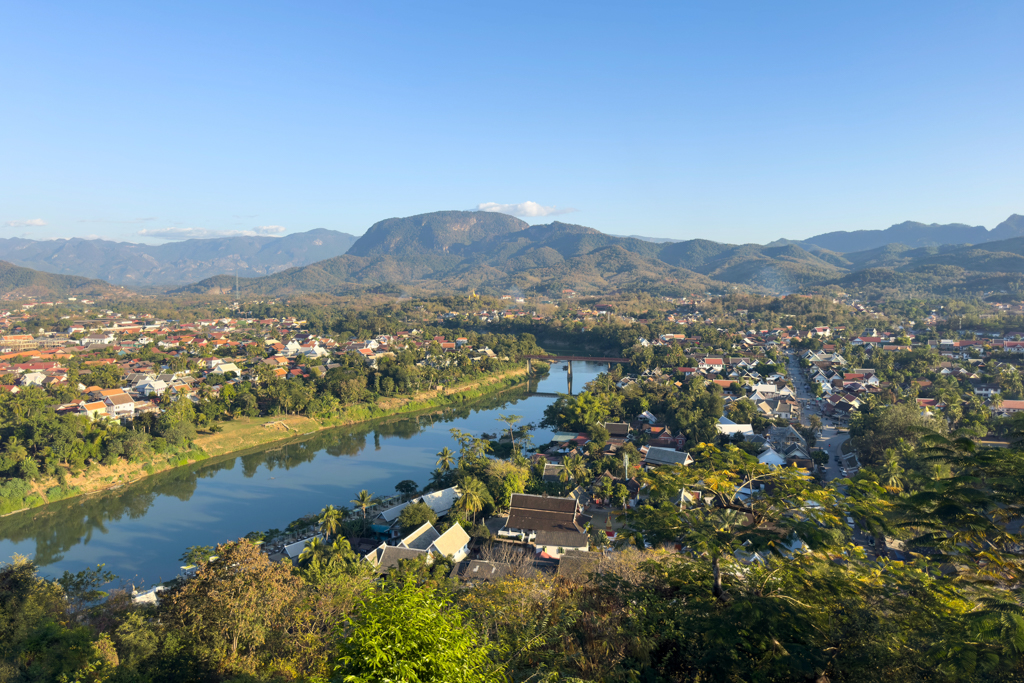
445, 459
472, 499
576, 466
314, 552
362, 501
330, 521
438, 479
891, 475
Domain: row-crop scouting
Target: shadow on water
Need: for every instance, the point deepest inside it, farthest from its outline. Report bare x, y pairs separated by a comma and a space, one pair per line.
58, 527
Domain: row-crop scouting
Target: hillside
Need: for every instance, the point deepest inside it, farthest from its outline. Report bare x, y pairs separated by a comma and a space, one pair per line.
175, 263
23, 283
462, 250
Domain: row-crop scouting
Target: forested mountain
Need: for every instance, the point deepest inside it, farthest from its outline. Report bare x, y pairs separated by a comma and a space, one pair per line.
19, 283
175, 263
464, 250
461, 250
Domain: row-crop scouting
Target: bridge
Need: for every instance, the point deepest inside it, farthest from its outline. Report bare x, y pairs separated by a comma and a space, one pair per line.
569, 360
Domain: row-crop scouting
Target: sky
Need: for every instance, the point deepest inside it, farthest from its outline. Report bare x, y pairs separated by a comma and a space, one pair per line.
737, 122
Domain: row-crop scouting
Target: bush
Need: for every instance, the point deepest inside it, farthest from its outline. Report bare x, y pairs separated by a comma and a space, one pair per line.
61, 492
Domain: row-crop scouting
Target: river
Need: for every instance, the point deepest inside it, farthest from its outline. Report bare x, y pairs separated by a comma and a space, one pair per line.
139, 531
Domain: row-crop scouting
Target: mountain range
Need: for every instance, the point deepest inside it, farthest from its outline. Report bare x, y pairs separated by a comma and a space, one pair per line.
912, 234
464, 250
459, 250
175, 263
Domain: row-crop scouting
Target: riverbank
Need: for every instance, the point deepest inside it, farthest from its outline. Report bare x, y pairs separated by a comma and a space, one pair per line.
243, 434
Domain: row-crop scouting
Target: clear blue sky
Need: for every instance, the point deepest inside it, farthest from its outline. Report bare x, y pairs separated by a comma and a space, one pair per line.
740, 121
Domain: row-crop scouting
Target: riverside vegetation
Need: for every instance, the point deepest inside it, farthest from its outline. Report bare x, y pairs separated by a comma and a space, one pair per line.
46, 456
820, 612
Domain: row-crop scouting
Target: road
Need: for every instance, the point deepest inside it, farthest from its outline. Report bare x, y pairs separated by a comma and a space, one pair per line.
830, 439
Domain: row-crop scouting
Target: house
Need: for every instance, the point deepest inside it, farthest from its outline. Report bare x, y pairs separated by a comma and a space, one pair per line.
225, 368
771, 458
984, 389
120, 405
552, 525
104, 338
150, 387
727, 427
780, 437
425, 542
94, 409
452, 543
617, 431
440, 502
655, 456
1008, 408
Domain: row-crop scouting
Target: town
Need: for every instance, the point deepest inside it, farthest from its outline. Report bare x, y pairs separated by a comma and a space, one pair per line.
733, 436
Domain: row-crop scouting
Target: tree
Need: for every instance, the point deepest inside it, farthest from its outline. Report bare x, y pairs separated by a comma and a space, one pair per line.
363, 500
416, 515
235, 604
472, 499
330, 521
620, 495
314, 552
409, 633
445, 459
709, 532
406, 487
511, 421
195, 554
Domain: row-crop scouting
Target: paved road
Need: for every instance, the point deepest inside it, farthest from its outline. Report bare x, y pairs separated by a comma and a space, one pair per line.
831, 439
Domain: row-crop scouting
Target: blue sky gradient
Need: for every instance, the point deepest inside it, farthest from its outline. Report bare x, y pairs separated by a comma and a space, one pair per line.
739, 122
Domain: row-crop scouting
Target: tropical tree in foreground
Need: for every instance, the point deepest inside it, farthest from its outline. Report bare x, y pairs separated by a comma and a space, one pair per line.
411, 633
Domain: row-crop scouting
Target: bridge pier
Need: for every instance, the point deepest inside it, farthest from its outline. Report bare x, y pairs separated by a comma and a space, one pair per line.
529, 367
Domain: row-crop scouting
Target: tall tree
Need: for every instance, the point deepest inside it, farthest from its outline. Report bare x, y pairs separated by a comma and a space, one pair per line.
330, 521
234, 605
445, 459
471, 500
363, 501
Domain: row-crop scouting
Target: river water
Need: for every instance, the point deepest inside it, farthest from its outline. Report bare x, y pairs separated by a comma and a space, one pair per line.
140, 531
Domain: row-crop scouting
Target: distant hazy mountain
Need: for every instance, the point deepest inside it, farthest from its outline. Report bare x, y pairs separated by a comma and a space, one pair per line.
913, 234
656, 240
19, 283
175, 263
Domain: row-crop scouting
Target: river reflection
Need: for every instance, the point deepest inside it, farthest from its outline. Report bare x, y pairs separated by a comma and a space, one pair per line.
140, 530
